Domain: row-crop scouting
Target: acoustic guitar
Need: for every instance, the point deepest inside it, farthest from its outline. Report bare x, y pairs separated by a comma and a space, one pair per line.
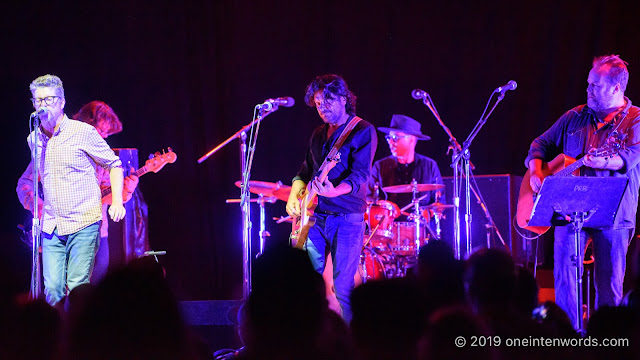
561, 165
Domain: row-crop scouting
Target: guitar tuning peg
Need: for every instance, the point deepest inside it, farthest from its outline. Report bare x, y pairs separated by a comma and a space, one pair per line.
169, 149
151, 156
157, 153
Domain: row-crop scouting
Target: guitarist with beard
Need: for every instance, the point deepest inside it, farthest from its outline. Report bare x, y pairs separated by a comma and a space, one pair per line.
339, 216
608, 113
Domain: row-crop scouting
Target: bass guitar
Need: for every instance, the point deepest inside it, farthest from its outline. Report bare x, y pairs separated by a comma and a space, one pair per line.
308, 202
561, 165
157, 162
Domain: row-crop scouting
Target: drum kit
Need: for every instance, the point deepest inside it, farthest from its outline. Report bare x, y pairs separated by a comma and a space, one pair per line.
389, 247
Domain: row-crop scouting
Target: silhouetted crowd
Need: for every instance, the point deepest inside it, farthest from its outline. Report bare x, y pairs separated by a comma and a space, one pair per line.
482, 308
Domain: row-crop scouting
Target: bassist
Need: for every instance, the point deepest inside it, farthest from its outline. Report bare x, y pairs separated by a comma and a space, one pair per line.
339, 215
607, 114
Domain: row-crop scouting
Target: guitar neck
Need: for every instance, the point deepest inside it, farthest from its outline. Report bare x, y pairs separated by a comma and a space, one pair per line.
311, 194
143, 170
571, 168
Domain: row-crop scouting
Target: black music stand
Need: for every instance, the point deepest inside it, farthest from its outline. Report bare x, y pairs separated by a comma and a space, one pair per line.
583, 202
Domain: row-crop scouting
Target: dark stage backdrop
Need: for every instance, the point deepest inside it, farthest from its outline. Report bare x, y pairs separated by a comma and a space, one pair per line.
186, 74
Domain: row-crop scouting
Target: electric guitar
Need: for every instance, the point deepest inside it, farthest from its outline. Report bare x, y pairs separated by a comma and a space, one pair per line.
308, 202
562, 165
157, 162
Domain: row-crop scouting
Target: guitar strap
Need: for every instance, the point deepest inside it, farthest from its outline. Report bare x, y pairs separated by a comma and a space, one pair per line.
338, 144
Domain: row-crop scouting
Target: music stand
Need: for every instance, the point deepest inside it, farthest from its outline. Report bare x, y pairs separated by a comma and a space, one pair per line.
582, 201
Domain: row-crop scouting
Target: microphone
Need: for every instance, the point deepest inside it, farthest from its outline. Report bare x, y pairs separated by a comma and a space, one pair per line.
419, 94
271, 104
39, 112
511, 85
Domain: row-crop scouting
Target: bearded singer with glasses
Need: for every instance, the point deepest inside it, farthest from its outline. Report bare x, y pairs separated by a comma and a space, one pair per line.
69, 153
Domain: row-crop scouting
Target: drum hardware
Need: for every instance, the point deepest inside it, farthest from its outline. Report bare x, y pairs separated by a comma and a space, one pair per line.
437, 208
268, 189
414, 186
268, 192
416, 208
282, 219
366, 243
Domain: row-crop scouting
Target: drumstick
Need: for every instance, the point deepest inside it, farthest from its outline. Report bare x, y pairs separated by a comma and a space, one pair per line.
366, 243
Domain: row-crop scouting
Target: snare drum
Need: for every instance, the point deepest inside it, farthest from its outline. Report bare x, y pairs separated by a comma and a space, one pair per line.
403, 241
380, 217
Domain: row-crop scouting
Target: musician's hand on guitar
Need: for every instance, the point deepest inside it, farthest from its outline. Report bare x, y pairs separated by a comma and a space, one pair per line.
293, 206
535, 181
593, 161
131, 182
614, 162
326, 188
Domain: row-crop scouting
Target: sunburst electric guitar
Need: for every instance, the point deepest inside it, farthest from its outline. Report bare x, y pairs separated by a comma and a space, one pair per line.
562, 165
152, 165
308, 201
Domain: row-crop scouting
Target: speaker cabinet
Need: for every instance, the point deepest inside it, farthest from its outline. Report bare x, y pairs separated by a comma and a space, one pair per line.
500, 193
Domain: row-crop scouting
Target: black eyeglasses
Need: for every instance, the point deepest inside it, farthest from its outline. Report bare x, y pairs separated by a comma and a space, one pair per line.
396, 137
48, 100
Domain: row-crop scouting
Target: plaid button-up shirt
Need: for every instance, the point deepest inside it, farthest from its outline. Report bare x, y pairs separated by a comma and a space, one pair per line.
67, 165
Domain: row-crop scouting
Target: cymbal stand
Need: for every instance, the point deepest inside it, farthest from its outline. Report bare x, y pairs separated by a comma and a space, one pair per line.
437, 216
261, 200
416, 213
246, 161
263, 231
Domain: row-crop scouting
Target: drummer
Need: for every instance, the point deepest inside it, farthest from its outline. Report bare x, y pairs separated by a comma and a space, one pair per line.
404, 164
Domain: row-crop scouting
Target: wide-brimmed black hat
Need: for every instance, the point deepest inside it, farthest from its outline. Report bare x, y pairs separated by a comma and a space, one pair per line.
406, 125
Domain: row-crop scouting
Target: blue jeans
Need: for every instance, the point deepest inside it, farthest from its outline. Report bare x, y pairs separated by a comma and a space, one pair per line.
67, 260
342, 236
609, 252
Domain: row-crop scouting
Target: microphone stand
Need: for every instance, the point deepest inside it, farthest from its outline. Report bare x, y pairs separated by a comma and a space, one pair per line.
465, 155
468, 166
36, 237
455, 146
246, 161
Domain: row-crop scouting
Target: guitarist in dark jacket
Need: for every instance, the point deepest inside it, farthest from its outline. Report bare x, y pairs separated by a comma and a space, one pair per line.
339, 215
607, 115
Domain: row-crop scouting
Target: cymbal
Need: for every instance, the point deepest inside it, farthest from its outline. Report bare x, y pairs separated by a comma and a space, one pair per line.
407, 188
438, 207
277, 190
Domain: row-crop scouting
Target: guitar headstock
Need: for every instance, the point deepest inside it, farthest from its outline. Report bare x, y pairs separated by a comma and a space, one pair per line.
615, 142
157, 161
